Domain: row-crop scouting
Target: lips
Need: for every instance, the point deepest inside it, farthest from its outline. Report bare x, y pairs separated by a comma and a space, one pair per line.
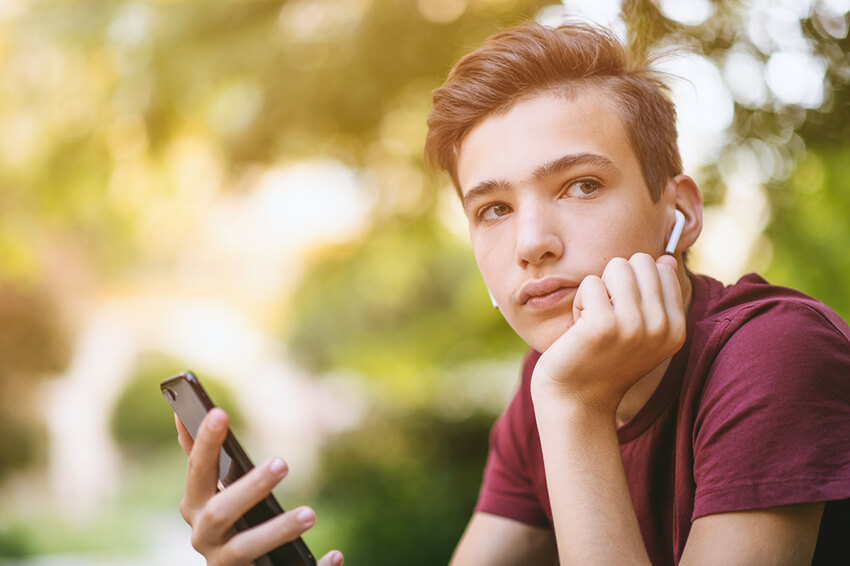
542, 292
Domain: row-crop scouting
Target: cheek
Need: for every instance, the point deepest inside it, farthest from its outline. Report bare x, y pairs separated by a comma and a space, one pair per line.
492, 256
621, 239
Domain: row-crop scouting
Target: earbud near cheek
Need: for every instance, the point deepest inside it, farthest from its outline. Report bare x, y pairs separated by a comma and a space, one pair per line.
676, 233
493, 300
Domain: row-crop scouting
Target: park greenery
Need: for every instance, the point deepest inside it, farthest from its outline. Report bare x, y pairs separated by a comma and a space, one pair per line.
115, 115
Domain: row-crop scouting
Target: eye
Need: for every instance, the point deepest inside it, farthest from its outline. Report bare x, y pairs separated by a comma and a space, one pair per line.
582, 188
494, 211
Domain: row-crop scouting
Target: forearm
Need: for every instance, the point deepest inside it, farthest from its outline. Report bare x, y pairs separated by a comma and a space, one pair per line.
499, 541
594, 518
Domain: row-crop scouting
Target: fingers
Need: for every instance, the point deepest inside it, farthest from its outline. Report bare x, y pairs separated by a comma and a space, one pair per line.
645, 296
650, 285
202, 474
332, 558
673, 299
669, 261
248, 545
261, 539
212, 514
668, 270
213, 523
621, 281
591, 295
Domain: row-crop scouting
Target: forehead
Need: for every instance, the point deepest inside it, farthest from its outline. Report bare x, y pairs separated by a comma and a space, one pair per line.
510, 145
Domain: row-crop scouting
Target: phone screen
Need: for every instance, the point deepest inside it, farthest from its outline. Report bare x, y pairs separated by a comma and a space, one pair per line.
190, 402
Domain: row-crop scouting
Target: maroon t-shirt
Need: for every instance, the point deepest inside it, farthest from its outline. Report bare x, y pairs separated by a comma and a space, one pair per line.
753, 412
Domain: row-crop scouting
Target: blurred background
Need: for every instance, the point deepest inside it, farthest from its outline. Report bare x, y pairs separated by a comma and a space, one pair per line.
238, 187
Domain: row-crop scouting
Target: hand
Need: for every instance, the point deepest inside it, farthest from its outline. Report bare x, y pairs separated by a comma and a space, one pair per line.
212, 514
626, 323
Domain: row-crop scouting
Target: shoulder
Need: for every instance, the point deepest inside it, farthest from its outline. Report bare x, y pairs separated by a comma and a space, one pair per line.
752, 299
765, 341
773, 399
754, 324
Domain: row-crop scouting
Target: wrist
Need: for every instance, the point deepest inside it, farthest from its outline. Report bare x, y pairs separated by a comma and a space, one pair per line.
560, 418
551, 399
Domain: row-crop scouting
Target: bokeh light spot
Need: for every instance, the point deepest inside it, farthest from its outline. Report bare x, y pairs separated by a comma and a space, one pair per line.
796, 78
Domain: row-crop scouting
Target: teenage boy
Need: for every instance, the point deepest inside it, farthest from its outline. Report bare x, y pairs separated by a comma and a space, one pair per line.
662, 418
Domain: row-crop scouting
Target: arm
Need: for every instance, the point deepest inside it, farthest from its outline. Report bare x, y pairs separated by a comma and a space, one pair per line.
211, 514
498, 541
628, 322
781, 536
596, 523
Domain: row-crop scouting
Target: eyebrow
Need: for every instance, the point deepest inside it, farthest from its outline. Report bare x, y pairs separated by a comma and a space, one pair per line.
570, 161
542, 172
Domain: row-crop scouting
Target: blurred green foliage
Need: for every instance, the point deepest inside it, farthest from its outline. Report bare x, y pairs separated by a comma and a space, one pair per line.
809, 229
403, 485
143, 422
16, 541
402, 304
104, 98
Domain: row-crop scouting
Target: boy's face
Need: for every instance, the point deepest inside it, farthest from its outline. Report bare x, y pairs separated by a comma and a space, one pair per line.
552, 191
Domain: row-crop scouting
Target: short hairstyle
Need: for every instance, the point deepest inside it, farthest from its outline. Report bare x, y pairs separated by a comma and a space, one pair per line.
533, 59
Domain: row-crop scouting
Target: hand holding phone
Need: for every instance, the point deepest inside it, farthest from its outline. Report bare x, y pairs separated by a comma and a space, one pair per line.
226, 493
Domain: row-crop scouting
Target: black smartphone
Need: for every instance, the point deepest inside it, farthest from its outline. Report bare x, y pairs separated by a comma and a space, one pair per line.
190, 402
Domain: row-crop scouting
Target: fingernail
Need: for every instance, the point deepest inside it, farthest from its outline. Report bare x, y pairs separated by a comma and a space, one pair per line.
336, 558
277, 466
305, 516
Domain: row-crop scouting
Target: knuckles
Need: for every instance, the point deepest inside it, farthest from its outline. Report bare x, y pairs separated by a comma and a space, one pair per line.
657, 327
215, 515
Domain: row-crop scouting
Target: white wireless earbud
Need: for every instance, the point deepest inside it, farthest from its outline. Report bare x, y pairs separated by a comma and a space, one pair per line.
676, 234
493, 300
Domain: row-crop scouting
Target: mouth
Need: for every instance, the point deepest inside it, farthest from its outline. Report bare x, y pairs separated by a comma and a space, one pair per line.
546, 292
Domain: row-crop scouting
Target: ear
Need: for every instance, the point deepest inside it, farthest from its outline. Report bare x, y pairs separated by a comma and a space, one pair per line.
683, 193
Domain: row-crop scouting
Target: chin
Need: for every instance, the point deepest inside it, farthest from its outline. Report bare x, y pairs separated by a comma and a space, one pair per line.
543, 334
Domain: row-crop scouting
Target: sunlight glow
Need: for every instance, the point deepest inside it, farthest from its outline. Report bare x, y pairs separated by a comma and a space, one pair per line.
744, 75
796, 78
704, 106
688, 12
441, 11
602, 12
319, 20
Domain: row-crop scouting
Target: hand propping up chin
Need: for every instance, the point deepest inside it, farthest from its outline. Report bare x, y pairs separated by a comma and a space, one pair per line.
626, 323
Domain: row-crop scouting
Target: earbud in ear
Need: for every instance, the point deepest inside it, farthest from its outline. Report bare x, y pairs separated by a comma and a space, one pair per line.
676, 233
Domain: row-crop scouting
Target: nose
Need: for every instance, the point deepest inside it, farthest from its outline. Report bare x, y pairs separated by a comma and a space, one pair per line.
539, 236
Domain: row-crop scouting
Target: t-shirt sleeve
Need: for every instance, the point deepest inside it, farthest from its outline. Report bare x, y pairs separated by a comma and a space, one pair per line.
507, 489
772, 427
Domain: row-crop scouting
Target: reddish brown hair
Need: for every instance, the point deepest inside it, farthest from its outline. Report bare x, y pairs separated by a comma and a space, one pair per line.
532, 59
